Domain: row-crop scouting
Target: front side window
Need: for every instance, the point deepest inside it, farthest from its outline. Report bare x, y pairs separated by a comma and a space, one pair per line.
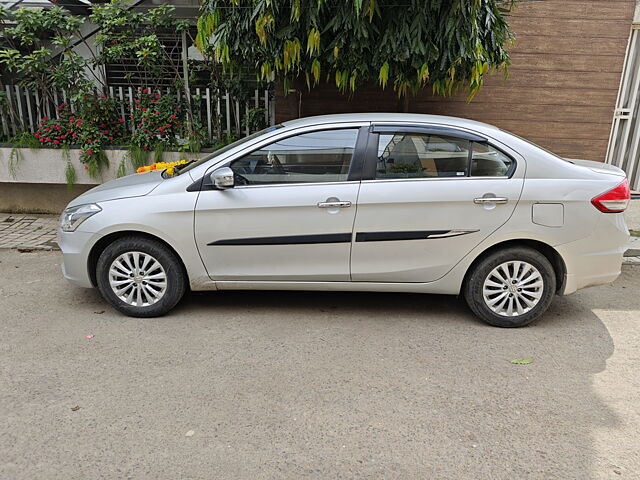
417, 155
323, 156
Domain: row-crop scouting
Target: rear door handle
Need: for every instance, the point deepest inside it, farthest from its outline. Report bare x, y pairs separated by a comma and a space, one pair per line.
334, 204
497, 200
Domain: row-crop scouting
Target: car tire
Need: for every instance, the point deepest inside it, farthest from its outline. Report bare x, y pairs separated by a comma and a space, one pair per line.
146, 267
511, 287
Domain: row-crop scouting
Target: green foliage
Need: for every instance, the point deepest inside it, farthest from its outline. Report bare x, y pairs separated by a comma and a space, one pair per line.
158, 151
404, 168
94, 161
36, 36
194, 143
122, 167
32, 25
69, 171
126, 34
22, 140
255, 120
157, 120
445, 43
138, 157
522, 361
37, 50
92, 127
224, 141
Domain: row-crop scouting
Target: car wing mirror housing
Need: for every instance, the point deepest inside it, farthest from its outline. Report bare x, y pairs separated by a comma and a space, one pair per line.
223, 178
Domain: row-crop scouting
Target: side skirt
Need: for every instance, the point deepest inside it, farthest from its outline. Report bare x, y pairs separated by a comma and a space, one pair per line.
436, 287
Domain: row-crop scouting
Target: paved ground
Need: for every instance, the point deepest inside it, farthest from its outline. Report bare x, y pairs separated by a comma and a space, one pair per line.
30, 231
312, 385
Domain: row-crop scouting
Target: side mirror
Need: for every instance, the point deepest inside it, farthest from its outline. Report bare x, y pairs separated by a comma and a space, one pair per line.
223, 178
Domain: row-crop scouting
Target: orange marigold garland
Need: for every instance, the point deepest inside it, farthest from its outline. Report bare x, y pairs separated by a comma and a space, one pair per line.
169, 166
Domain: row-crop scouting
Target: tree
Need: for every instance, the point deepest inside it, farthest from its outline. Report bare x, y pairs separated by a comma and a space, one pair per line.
447, 44
128, 37
30, 44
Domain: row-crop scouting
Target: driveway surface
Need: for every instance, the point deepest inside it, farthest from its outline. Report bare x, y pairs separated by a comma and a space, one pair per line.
254, 385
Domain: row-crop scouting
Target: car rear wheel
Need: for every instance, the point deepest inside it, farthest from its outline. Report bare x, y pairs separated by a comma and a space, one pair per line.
140, 277
511, 287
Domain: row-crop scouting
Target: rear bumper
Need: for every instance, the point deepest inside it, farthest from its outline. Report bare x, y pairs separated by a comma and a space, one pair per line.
75, 248
574, 282
597, 259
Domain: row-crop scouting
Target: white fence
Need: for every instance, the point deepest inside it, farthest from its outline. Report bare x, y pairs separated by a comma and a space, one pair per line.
217, 112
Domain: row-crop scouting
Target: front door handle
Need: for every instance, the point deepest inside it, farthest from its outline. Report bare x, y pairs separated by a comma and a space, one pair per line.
496, 200
334, 204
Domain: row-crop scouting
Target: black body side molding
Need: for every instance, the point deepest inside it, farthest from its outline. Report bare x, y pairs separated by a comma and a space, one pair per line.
287, 240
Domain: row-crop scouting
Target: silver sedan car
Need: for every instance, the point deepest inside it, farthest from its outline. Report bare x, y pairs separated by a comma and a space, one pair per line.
369, 202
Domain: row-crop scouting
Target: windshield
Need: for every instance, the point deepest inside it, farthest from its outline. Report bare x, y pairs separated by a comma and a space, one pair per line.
226, 148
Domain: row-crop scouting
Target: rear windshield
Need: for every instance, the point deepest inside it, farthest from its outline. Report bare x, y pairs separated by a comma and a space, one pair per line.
538, 146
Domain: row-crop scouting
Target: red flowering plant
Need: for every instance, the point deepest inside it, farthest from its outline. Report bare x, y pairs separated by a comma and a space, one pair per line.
94, 125
157, 120
99, 125
56, 132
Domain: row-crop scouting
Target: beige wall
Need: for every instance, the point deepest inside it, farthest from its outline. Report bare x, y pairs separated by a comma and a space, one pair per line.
38, 184
37, 198
562, 88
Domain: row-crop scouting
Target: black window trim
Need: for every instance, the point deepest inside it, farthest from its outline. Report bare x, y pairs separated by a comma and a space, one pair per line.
429, 130
369, 171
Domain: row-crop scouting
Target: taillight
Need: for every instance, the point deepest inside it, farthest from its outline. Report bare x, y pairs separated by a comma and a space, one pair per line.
615, 200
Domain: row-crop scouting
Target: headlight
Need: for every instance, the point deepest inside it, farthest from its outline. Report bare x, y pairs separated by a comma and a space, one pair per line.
72, 217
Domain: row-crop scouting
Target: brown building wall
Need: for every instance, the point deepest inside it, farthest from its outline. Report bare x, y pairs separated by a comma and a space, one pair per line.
562, 86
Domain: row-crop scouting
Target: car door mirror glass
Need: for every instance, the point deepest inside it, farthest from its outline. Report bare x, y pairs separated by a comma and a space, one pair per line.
223, 178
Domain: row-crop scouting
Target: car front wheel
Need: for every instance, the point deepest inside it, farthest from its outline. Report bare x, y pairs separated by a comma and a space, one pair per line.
140, 277
511, 287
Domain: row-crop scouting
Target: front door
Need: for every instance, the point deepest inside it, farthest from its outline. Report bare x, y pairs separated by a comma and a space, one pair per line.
431, 196
289, 217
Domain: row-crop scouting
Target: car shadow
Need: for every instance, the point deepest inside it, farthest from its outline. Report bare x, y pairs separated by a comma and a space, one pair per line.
442, 379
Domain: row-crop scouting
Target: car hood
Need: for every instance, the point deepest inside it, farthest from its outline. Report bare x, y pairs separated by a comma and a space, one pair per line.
135, 185
598, 167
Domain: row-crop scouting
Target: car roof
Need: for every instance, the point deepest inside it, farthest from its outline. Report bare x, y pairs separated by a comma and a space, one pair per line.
389, 117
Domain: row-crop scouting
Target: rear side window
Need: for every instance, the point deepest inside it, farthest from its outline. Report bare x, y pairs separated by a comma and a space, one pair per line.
418, 155
415, 155
487, 161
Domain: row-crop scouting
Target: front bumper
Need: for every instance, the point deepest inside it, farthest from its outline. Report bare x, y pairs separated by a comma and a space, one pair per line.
76, 247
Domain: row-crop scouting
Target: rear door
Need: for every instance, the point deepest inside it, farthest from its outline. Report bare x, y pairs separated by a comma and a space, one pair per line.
428, 196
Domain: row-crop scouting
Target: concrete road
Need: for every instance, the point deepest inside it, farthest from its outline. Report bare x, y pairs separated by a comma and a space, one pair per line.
313, 385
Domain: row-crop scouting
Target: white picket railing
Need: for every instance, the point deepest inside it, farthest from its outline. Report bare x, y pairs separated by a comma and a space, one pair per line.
219, 112
624, 140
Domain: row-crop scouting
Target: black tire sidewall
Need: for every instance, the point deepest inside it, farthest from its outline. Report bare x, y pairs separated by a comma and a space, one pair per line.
474, 286
176, 278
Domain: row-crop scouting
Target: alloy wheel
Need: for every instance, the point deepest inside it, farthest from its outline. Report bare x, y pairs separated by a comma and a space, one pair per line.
138, 279
513, 288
